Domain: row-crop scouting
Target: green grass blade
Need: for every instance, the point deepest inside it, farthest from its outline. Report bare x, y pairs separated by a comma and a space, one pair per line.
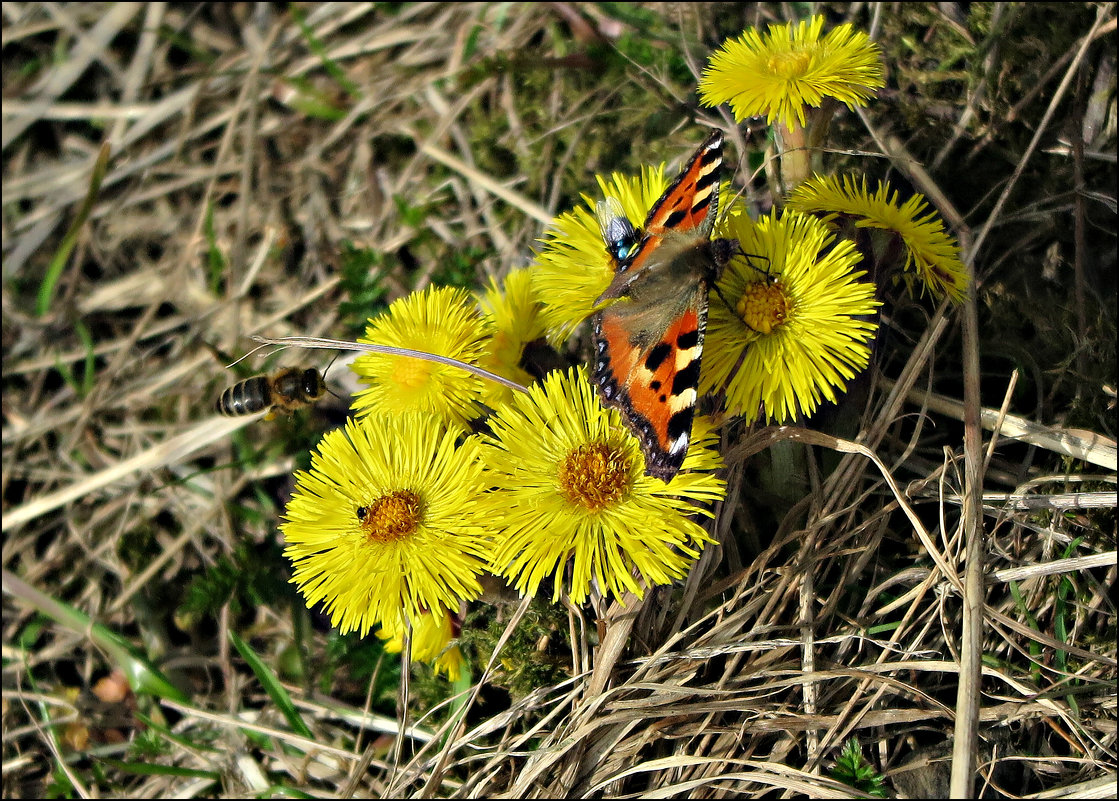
62, 255
142, 675
90, 357
315, 45
272, 686
149, 769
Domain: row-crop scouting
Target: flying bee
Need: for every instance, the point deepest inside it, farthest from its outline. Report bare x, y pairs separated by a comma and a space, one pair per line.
287, 389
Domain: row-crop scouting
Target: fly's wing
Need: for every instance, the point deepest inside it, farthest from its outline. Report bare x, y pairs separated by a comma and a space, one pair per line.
620, 235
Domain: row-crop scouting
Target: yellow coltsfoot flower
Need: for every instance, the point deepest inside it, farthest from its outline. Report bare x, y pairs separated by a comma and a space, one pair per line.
386, 522
790, 68
932, 258
440, 320
569, 485
432, 637
798, 322
514, 316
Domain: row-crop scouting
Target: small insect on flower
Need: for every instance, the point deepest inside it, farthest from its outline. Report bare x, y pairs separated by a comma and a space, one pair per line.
574, 268
287, 389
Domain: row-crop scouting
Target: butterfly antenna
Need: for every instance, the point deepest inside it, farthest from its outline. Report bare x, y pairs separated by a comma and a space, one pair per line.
749, 257
723, 213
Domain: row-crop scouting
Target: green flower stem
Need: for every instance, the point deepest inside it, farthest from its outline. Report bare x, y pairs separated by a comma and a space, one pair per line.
795, 155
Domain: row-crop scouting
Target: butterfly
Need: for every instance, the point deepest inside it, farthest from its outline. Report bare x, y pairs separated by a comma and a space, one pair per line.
649, 342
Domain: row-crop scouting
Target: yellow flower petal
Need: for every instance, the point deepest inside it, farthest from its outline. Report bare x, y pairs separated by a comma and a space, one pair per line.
931, 255
432, 637
514, 314
439, 320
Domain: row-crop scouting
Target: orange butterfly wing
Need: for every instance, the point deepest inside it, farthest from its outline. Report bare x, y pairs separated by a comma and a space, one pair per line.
654, 386
648, 344
690, 203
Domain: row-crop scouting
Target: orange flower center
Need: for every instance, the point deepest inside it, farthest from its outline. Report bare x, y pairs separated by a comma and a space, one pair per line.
763, 306
410, 373
594, 475
391, 517
789, 65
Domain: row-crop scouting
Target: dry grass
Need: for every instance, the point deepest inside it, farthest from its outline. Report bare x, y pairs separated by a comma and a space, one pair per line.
271, 165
